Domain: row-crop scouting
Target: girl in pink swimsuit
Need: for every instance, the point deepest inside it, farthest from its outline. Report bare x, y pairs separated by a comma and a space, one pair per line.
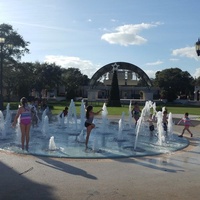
24, 112
187, 123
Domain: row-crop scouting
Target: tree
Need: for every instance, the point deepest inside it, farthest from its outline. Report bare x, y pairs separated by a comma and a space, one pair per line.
19, 79
72, 79
13, 47
19, 45
174, 82
197, 81
114, 98
47, 77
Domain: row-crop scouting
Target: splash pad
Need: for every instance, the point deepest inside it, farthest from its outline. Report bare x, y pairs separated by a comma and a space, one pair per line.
112, 138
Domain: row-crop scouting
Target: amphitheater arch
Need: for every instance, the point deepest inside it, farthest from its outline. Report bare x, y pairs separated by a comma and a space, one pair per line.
121, 65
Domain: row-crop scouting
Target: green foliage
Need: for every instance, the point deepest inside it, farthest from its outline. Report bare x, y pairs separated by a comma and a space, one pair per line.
72, 79
10, 56
19, 45
47, 76
197, 81
21, 78
174, 82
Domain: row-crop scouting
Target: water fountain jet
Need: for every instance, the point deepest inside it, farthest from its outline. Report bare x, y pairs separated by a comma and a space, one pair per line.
70, 140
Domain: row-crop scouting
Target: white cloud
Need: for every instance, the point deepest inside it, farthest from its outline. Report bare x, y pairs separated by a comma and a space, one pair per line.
86, 67
197, 73
113, 20
150, 73
188, 52
174, 59
128, 34
154, 63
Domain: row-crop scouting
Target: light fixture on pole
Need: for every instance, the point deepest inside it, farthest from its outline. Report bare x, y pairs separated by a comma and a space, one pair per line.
197, 45
2, 42
3, 49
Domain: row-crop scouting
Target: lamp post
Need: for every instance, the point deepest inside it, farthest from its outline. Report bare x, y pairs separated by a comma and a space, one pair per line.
2, 42
4, 48
197, 45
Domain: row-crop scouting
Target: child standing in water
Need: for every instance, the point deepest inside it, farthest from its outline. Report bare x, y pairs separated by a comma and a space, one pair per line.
64, 113
165, 121
187, 123
136, 112
151, 125
24, 112
89, 122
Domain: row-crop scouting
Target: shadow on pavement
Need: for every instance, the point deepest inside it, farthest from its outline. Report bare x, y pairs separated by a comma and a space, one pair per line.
16, 186
59, 165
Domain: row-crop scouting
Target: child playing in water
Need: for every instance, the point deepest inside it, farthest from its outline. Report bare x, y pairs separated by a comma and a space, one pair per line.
34, 111
24, 112
64, 112
187, 123
151, 125
136, 112
165, 121
89, 122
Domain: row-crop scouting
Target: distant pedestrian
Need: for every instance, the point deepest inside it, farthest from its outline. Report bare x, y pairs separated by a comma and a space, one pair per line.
187, 122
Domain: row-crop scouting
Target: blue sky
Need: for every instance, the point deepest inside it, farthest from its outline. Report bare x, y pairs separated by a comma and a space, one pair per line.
88, 34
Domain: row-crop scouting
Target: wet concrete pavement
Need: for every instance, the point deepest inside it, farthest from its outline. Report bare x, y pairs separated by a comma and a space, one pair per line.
168, 176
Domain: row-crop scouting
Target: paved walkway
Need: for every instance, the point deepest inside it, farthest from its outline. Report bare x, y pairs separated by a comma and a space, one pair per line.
169, 176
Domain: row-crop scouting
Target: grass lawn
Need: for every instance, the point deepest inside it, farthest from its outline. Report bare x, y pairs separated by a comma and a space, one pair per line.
182, 110
174, 109
57, 107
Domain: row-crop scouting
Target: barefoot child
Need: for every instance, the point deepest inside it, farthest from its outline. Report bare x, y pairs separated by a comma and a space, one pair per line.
89, 122
165, 121
187, 123
136, 112
151, 125
24, 112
